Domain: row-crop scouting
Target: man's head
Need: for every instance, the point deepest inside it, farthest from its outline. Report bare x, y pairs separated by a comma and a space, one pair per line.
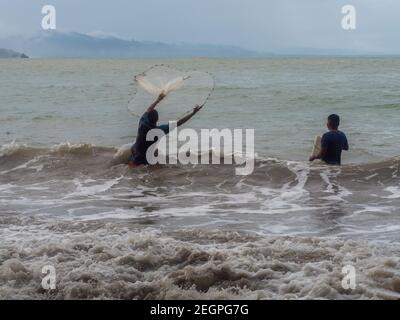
153, 117
333, 122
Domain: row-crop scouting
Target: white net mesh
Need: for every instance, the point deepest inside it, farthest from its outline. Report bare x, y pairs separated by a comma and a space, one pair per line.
183, 90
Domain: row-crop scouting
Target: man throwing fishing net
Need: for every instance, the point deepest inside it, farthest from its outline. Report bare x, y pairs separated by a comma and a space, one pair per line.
147, 122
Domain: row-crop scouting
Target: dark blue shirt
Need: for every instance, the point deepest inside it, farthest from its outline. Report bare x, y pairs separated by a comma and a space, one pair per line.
334, 142
140, 147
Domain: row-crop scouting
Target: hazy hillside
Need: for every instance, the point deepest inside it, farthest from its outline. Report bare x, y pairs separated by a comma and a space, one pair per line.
6, 53
77, 45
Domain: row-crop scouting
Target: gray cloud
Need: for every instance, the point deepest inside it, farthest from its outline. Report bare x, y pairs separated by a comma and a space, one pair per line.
264, 25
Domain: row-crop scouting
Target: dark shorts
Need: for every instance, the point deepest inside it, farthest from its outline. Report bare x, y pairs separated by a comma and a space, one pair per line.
138, 160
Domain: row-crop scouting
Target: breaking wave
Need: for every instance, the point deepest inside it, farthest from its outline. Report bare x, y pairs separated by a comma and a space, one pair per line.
196, 231
88, 157
95, 261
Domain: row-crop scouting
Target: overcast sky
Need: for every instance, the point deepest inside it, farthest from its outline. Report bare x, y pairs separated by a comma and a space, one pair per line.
263, 25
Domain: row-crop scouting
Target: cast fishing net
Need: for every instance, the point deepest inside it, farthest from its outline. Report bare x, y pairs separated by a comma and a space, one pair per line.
183, 90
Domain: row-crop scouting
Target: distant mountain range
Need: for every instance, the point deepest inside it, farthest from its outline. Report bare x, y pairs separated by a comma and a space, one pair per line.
6, 53
54, 44
77, 45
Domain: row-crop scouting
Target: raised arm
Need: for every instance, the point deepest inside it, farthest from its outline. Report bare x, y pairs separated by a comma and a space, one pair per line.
189, 116
155, 103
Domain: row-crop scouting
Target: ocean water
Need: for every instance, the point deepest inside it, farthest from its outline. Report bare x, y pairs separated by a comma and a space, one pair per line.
175, 231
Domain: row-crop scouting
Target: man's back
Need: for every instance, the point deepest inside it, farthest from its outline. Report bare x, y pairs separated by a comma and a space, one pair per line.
335, 142
141, 145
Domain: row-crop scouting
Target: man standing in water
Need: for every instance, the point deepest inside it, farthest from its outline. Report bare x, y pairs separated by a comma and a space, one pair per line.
332, 143
148, 122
